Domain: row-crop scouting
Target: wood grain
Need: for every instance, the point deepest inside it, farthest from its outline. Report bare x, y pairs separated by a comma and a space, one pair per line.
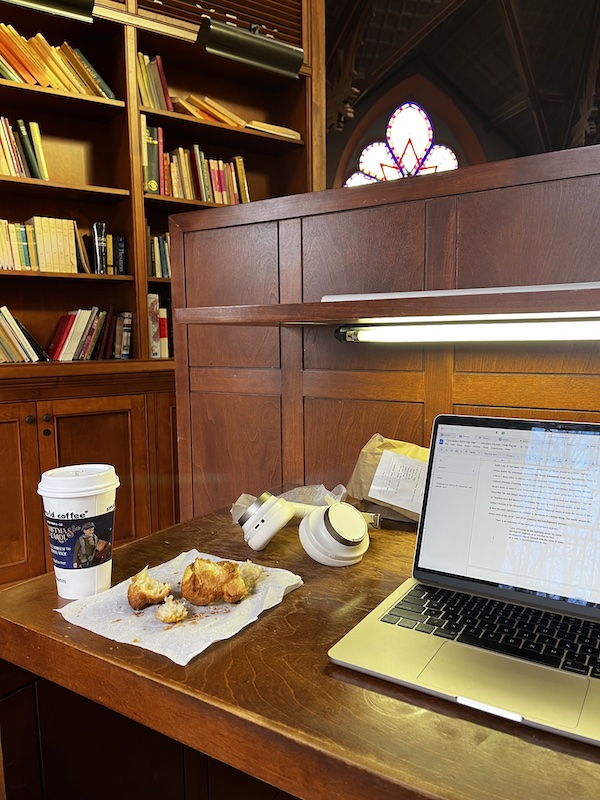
270, 703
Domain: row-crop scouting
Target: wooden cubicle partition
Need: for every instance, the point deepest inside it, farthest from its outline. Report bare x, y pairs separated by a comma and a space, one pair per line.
259, 405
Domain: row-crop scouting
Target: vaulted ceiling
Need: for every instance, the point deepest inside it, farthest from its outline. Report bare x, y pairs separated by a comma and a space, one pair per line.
527, 68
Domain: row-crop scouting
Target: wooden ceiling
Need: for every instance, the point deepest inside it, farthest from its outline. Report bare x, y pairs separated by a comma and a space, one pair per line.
527, 68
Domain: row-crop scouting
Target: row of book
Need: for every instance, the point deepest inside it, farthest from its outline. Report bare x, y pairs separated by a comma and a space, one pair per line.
154, 93
89, 333
188, 174
158, 328
159, 254
21, 150
52, 244
17, 345
34, 61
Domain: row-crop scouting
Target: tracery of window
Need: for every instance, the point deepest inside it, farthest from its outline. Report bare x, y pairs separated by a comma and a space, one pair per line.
407, 150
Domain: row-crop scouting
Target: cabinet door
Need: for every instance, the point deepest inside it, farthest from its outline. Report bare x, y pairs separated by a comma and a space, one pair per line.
108, 430
21, 522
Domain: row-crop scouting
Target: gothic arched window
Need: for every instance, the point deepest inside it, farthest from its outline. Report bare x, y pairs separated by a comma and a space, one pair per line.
407, 150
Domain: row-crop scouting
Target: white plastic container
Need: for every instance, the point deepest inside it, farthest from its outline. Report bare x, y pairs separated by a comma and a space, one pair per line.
79, 506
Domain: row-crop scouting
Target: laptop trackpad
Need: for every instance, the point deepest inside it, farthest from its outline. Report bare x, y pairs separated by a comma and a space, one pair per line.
536, 693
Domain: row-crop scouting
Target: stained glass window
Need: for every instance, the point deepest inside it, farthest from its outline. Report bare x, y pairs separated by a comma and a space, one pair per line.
408, 150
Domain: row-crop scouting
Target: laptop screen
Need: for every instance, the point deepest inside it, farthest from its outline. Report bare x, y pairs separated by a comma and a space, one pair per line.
515, 505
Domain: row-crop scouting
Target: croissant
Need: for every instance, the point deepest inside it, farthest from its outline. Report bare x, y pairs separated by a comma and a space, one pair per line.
206, 582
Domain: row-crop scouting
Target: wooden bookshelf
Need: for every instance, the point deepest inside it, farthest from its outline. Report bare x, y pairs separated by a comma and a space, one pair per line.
93, 149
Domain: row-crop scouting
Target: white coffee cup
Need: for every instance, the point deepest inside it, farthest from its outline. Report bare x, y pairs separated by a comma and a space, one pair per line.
79, 506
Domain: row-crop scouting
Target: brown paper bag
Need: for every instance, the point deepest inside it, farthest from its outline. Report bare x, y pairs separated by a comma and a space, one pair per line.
366, 466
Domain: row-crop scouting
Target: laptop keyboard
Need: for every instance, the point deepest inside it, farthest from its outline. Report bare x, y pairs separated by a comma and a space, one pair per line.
544, 637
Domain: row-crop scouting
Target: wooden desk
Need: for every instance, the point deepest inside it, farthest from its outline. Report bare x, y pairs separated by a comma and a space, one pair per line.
270, 703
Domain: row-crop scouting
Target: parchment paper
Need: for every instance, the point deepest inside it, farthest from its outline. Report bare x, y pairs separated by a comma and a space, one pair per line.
110, 615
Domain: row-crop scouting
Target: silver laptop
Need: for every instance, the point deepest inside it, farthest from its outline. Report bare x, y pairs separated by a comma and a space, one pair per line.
502, 613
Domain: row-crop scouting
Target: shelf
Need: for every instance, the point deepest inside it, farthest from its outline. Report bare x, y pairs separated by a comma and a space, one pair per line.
578, 298
181, 201
62, 191
59, 369
39, 98
221, 134
86, 276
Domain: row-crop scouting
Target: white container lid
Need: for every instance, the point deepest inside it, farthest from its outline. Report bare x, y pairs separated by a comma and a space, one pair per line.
78, 480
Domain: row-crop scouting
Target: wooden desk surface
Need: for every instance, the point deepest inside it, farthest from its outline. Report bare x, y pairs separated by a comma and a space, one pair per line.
270, 703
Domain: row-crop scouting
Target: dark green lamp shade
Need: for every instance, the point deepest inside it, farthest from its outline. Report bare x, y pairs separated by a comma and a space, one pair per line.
253, 49
74, 9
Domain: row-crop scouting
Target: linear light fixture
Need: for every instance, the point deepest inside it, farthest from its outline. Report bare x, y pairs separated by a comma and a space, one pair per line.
531, 327
252, 49
80, 10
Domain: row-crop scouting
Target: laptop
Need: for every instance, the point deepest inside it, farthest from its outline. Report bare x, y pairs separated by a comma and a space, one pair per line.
502, 612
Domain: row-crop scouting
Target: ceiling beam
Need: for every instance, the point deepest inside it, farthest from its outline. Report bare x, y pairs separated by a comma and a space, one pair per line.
414, 39
584, 94
525, 71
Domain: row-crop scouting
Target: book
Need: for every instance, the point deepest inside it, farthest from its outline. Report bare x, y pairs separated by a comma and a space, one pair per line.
240, 169
83, 261
110, 338
85, 75
108, 92
100, 266
119, 255
210, 106
164, 333
89, 350
13, 54
82, 316
152, 177
279, 130
35, 345
212, 114
34, 131
63, 328
53, 72
100, 349
32, 247
158, 97
11, 326
163, 83
110, 257
16, 336
84, 333
127, 330
154, 324
184, 107
28, 56
27, 143
142, 81
21, 235
7, 72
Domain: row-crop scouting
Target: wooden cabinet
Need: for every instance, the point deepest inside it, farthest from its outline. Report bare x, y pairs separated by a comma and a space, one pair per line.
101, 422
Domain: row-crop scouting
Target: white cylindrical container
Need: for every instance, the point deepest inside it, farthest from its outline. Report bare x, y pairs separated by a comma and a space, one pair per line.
79, 506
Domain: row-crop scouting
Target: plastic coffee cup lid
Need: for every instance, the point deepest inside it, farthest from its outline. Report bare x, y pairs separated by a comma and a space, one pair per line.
78, 480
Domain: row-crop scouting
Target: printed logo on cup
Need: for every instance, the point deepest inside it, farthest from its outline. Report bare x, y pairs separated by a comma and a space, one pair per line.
76, 544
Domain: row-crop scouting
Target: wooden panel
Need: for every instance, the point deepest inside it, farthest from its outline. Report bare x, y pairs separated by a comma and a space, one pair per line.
109, 754
236, 269
108, 430
164, 482
20, 773
236, 446
534, 391
581, 358
336, 431
21, 526
528, 413
544, 233
366, 250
